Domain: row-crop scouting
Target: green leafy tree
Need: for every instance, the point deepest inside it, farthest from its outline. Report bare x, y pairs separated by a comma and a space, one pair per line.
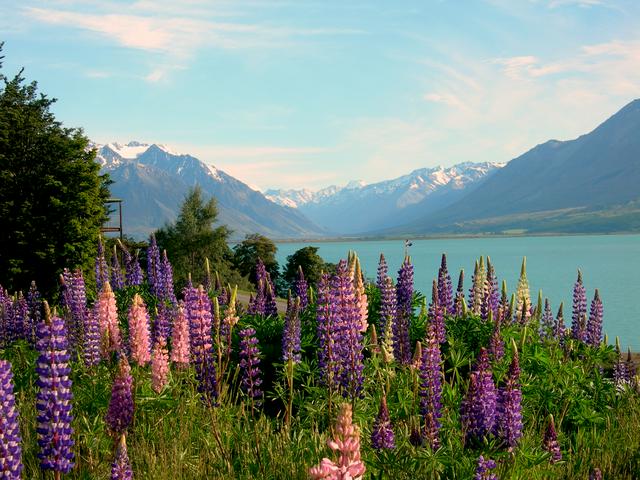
192, 238
312, 265
252, 248
51, 192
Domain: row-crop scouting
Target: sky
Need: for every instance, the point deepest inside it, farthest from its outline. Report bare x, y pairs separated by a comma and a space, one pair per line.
304, 94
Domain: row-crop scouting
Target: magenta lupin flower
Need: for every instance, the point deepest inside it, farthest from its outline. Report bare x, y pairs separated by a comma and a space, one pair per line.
578, 328
53, 400
483, 470
180, 343
596, 474
139, 332
250, 366
550, 441
10, 439
510, 406
347, 443
445, 289
382, 434
121, 466
594, 326
120, 411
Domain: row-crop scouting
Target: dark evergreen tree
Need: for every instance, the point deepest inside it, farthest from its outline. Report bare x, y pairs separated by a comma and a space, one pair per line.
51, 192
252, 248
312, 264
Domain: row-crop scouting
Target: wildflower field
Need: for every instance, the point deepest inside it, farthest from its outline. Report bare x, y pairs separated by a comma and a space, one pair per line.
363, 377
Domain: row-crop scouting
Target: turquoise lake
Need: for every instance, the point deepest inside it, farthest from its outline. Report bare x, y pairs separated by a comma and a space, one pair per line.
610, 263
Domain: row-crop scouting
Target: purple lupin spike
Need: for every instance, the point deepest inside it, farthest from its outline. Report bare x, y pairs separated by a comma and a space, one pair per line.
504, 308
559, 330
133, 272
35, 312
270, 305
594, 326
121, 406
382, 272
546, 326
102, 269
478, 409
496, 344
431, 375
459, 300
166, 273
20, 317
404, 295
77, 298
154, 265
53, 400
164, 321
302, 289
382, 436
291, 331
117, 278
578, 330
445, 289
630, 366
483, 470
250, 366
436, 315
510, 406
257, 305
10, 439
550, 442
325, 318
121, 466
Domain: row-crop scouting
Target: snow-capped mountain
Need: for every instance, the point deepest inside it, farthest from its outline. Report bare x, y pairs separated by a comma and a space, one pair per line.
152, 180
358, 207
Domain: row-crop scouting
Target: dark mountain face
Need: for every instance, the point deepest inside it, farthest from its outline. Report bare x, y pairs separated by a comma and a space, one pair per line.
595, 171
153, 182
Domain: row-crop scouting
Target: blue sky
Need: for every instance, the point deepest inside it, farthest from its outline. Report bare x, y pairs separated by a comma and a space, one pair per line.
297, 93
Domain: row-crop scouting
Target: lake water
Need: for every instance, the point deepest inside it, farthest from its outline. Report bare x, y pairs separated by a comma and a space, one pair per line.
610, 263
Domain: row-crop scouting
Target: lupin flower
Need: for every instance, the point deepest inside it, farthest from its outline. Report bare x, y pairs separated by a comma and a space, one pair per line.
436, 315
387, 318
102, 269
107, 316
496, 344
120, 411
270, 305
117, 278
139, 333
523, 296
257, 303
620, 374
164, 320
35, 312
596, 474
459, 300
154, 265
133, 272
180, 351
510, 406
250, 366
478, 409
476, 293
483, 470
559, 330
91, 348
630, 365
594, 326
382, 272
550, 441
53, 400
504, 309
291, 332
445, 289
325, 318
166, 284
382, 434
361, 297
431, 375
578, 329
159, 365
302, 289
20, 317
347, 442
10, 440
404, 296
546, 327
121, 466
491, 300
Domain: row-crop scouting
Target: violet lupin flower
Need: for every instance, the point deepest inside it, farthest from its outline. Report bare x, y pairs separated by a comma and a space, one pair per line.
133, 272
483, 470
250, 366
102, 269
445, 289
121, 466
459, 300
117, 278
35, 311
578, 330
559, 330
164, 320
431, 388
478, 409
326, 318
166, 272
154, 265
546, 327
10, 440
20, 317
291, 332
594, 326
257, 304
620, 374
404, 296
382, 272
504, 309
496, 344
53, 400
510, 406
388, 309
630, 365
382, 434
550, 442
120, 411
198, 310
270, 305
302, 289
77, 303
436, 315
91, 338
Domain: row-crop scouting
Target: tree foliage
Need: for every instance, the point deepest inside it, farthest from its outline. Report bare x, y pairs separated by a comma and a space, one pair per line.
192, 238
312, 265
252, 248
51, 192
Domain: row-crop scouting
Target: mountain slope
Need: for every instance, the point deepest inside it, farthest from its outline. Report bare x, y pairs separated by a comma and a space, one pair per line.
595, 172
357, 207
153, 181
